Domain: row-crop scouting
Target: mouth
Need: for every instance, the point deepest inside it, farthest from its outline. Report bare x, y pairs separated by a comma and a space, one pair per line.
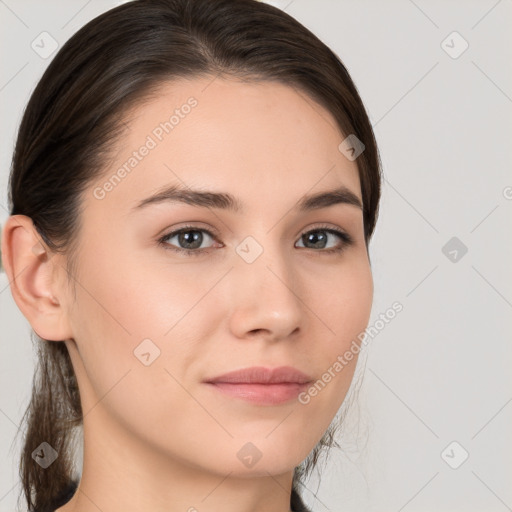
262, 394
260, 385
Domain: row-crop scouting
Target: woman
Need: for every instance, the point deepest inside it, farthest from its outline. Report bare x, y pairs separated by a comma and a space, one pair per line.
194, 187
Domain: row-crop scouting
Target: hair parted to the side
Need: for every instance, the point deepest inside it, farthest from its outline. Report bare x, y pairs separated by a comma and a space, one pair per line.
74, 117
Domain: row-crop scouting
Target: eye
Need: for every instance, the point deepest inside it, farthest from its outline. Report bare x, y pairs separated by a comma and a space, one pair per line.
319, 237
189, 240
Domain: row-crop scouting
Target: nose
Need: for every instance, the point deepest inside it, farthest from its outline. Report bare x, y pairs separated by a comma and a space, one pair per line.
266, 298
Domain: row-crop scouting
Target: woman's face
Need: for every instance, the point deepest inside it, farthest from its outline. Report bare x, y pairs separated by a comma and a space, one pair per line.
150, 324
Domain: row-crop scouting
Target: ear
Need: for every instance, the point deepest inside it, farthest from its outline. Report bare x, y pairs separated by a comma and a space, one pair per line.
35, 277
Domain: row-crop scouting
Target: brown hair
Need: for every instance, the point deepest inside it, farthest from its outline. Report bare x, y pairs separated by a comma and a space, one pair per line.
73, 119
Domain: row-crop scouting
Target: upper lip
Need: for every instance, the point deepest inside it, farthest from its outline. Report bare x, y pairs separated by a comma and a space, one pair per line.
262, 375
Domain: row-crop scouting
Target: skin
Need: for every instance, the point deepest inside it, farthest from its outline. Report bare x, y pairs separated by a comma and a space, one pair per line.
156, 437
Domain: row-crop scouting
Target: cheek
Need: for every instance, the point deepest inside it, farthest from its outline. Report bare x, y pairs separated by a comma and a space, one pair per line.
350, 316
131, 295
345, 311
133, 308
342, 299
120, 324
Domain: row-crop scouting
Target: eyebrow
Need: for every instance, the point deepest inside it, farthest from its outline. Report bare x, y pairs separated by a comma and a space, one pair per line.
220, 200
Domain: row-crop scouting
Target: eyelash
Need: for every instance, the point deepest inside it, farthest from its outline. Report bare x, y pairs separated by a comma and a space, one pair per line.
345, 237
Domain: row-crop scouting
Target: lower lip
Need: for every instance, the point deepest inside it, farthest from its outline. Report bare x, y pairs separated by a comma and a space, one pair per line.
262, 394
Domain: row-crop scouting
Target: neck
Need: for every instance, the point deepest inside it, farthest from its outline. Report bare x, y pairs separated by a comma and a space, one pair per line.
121, 473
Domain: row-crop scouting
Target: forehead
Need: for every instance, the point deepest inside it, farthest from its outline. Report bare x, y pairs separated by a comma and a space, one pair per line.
264, 142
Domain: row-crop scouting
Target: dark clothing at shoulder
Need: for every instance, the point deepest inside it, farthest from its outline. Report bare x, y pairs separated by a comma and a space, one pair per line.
62, 499
296, 503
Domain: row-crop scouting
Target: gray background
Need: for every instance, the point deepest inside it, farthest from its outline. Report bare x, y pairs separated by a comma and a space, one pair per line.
440, 371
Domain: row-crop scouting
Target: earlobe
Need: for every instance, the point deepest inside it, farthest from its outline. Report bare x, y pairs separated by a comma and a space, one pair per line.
32, 270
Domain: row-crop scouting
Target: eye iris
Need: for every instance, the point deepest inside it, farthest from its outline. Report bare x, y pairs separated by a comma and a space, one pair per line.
316, 239
196, 239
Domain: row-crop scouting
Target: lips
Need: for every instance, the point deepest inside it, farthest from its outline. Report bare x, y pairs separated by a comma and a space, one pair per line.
260, 385
262, 375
